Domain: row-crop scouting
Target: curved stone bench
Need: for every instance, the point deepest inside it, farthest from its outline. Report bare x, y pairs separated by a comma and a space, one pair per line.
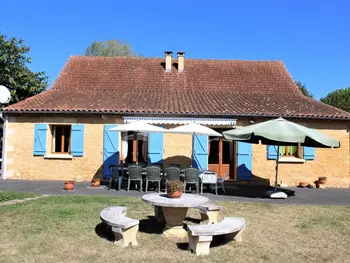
124, 228
209, 213
200, 236
112, 212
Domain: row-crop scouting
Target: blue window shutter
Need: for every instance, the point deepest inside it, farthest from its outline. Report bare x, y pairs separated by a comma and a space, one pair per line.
155, 147
244, 161
309, 153
77, 140
271, 151
40, 131
110, 149
200, 152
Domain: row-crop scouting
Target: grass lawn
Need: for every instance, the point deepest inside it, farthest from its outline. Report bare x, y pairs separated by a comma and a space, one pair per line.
68, 229
8, 195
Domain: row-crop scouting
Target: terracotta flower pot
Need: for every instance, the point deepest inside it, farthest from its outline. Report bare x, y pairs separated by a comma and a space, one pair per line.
322, 180
176, 194
69, 185
303, 184
95, 183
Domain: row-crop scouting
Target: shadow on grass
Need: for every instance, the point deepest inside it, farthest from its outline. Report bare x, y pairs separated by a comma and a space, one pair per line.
217, 241
104, 231
150, 226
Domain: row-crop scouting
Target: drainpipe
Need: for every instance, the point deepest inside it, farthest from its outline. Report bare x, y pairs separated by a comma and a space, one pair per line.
4, 143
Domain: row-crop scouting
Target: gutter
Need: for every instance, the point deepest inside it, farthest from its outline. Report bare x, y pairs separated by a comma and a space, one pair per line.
174, 114
4, 145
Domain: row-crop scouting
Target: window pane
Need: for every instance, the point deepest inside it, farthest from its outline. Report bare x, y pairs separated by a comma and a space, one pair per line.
292, 150
66, 138
214, 151
227, 155
58, 138
282, 150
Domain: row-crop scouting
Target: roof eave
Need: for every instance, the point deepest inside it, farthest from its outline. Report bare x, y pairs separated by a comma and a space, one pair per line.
79, 112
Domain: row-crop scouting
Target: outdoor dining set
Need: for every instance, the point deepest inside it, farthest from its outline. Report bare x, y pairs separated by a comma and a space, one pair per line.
143, 176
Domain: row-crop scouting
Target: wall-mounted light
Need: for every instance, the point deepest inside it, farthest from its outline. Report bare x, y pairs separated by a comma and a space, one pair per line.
104, 117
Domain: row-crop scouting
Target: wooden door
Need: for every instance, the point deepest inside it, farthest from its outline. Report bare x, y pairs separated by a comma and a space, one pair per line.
221, 157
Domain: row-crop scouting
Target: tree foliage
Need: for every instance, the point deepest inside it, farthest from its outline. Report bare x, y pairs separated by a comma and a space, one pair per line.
339, 98
14, 73
111, 48
303, 89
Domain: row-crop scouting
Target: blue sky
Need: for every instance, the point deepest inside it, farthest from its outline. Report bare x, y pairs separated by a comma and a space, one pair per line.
311, 37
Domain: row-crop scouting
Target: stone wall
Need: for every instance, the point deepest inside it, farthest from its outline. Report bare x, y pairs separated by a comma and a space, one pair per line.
21, 164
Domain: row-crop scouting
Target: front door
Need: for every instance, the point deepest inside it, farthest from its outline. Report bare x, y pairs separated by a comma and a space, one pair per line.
222, 157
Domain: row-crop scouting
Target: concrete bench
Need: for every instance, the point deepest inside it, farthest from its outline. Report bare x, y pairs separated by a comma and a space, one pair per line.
124, 228
209, 213
200, 236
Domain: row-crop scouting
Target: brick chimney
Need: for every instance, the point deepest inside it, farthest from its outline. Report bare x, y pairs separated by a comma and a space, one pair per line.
181, 61
168, 57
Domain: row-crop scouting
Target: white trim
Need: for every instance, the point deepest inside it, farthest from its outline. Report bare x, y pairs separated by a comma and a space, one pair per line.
286, 159
4, 146
58, 156
179, 120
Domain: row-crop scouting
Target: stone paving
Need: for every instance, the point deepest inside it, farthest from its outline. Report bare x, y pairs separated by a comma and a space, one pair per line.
328, 196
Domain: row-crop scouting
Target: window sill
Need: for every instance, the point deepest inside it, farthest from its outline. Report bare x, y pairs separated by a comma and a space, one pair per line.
64, 156
290, 160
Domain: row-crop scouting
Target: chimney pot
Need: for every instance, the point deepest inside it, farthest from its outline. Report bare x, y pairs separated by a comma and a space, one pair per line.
181, 61
168, 57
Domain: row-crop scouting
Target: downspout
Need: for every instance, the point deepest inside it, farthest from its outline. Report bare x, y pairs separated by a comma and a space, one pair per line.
4, 144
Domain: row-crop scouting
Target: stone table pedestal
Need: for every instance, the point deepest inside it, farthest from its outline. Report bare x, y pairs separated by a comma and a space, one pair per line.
174, 210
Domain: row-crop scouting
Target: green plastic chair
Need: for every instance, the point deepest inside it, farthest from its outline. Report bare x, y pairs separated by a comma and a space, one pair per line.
153, 175
135, 174
114, 177
191, 176
172, 173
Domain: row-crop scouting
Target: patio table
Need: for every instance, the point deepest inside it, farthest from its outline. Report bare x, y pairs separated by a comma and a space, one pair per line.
174, 210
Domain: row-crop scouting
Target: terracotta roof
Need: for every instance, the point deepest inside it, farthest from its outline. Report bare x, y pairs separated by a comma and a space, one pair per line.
206, 87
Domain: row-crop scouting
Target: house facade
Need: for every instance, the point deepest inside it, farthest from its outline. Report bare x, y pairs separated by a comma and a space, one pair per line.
63, 133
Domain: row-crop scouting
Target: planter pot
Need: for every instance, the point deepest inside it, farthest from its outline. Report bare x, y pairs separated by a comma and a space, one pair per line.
303, 184
95, 183
69, 185
174, 194
322, 180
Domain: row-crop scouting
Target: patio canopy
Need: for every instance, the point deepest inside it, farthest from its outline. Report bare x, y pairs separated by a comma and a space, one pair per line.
138, 126
194, 129
281, 132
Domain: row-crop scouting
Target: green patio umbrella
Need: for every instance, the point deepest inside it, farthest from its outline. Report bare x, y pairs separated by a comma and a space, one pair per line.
281, 132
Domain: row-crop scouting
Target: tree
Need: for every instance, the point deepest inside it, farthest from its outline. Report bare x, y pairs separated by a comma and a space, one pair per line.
303, 89
339, 98
14, 73
111, 48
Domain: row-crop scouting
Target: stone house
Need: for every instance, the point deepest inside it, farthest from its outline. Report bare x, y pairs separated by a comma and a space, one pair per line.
63, 133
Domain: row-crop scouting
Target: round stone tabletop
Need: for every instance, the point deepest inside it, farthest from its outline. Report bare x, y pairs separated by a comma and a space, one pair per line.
186, 200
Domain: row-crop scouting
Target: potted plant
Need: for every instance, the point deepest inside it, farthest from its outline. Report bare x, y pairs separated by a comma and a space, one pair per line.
322, 180
95, 182
174, 189
303, 184
69, 185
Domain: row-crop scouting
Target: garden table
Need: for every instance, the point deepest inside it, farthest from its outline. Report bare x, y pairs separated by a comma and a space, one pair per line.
174, 210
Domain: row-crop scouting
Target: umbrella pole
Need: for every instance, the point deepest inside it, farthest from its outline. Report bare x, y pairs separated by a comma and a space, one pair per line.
277, 161
192, 157
137, 148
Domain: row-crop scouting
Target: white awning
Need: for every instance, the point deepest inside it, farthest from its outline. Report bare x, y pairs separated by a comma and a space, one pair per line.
180, 121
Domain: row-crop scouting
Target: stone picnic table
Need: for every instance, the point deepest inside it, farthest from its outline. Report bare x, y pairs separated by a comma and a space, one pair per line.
174, 210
